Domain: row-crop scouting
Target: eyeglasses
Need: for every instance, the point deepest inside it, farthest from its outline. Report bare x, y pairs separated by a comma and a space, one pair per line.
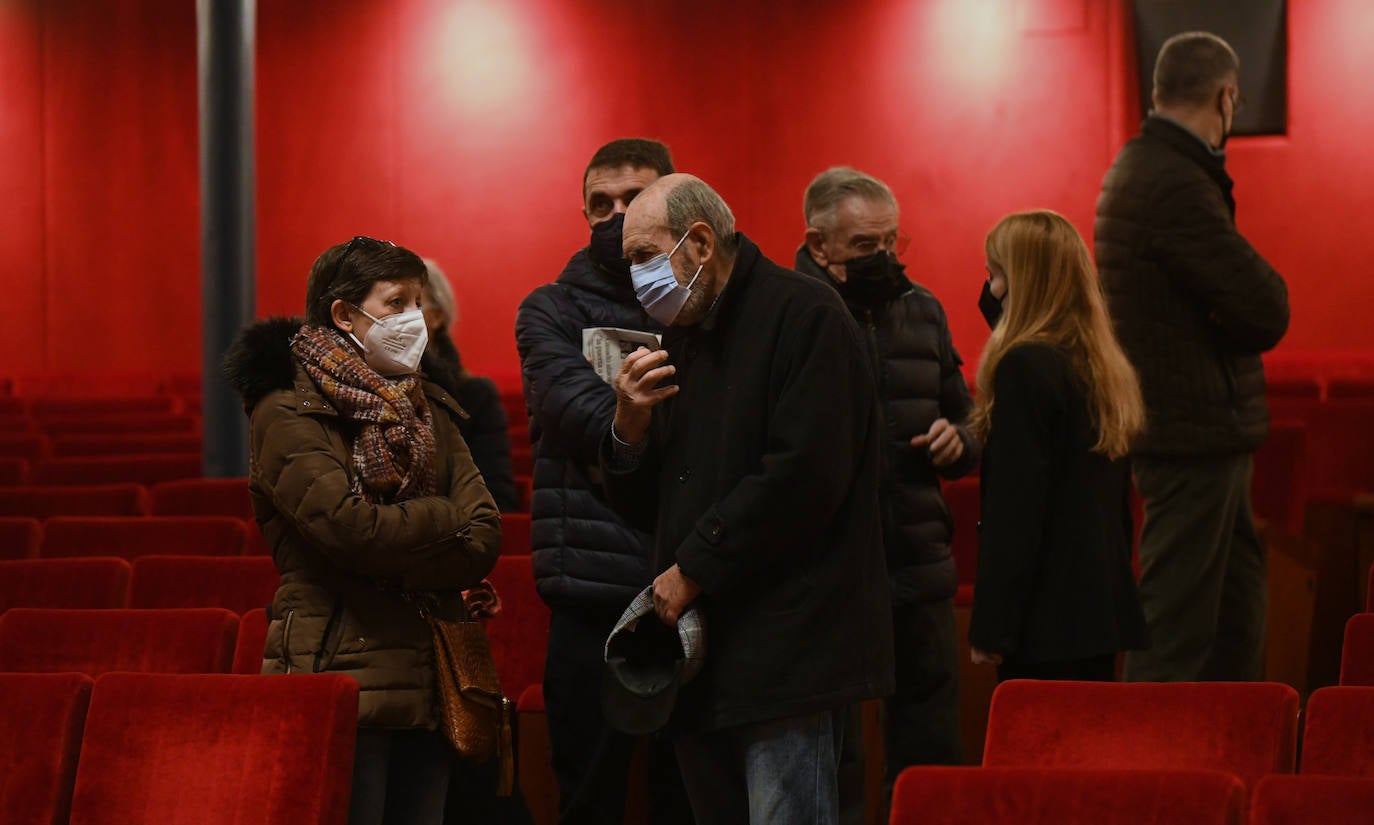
896, 244
358, 242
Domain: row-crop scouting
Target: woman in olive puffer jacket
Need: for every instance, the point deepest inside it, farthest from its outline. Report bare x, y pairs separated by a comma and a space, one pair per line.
370, 501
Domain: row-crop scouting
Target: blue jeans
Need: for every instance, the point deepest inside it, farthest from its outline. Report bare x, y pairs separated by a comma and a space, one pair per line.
400, 777
780, 771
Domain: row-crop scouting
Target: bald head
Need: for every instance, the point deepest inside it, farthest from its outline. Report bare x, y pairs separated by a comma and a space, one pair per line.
680, 215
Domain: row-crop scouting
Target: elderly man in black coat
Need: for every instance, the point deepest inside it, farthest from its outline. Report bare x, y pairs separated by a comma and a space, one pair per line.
1194, 306
751, 443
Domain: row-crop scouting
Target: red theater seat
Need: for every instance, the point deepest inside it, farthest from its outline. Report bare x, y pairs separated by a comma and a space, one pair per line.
203, 497
64, 583
251, 642
17, 424
1295, 387
24, 445
520, 633
19, 537
41, 720
1345, 389
524, 491
160, 423
522, 460
217, 750
10, 405
98, 641
13, 472
44, 407
1248, 729
1357, 653
76, 446
1278, 492
239, 584
95, 500
139, 469
1312, 800
1034, 796
515, 534
1338, 732
129, 538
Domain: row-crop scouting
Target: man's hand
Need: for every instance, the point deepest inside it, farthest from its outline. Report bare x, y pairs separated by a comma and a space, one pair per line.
982, 657
945, 443
672, 593
637, 392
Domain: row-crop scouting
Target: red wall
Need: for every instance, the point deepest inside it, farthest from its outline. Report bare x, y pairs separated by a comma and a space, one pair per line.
460, 129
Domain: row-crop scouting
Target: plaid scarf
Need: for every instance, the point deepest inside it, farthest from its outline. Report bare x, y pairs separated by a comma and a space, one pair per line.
394, 451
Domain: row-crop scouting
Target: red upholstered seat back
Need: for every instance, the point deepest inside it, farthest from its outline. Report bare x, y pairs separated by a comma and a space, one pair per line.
251, 642
13, 471
239, 583
217, 750
72, 446
93, 500
1035, 796
19, 537
97, 583
1312, 800
1338, 733
1248, 729
138, 469
24, 445
203, 497
98, 641
122, 424
43, 407
1357, 653
962, 499
129, 538
41, 719
520, 634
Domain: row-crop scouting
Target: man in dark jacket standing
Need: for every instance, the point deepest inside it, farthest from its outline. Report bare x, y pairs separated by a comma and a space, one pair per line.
1194, 305
760, 468
588, 564
852, 244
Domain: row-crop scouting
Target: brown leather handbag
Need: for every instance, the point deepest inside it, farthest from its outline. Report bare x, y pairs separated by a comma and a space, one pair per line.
476, 716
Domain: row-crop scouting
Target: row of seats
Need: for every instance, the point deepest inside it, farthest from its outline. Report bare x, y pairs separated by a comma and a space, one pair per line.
995, 796
208, 749
181, 615
131, 537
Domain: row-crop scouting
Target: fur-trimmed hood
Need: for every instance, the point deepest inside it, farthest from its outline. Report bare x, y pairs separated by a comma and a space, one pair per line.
259, 362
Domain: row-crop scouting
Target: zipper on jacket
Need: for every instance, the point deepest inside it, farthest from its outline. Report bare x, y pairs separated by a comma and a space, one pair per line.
286, 639
329, 626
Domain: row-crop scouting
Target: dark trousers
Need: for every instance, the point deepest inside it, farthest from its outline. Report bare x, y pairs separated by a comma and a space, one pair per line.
1202, 572
400, 777
590, 759
920, 719
1091, 669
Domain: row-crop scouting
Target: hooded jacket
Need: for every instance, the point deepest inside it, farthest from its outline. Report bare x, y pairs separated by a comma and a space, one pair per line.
348, 566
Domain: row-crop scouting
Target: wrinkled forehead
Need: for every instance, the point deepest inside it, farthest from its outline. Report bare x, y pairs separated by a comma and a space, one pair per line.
858, 215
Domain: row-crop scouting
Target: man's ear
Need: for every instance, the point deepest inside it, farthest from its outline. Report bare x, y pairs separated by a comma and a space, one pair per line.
815, 244
704, 238
338, 311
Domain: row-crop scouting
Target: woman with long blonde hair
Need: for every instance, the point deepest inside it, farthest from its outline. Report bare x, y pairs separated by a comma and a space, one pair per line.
1058, 408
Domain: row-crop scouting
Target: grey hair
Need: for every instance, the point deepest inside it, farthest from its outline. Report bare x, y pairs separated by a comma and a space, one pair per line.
833, 187
439, 289
692, 201
1192, 67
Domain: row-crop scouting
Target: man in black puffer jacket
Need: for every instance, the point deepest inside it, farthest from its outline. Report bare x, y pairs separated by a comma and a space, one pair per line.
588, 564
1194, 306
851, 244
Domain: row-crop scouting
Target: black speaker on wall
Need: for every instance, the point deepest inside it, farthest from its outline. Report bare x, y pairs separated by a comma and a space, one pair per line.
1256, 29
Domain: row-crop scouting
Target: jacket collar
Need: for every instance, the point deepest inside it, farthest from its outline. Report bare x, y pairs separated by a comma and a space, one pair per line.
1190, 146
310, 401
747, 256
583, 273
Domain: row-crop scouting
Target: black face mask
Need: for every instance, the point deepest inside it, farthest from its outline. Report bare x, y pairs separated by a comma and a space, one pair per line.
873, 279
606, 249
990, 305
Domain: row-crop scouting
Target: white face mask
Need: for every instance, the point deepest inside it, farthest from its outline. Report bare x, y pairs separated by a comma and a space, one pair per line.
394, 344
657, 288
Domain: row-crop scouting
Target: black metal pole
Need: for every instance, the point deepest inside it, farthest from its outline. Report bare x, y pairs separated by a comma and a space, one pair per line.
225, 30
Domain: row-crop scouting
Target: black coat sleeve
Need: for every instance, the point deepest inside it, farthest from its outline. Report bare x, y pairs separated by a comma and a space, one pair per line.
568, 401
955, 403
1244, 297
1027, 409
486, 433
